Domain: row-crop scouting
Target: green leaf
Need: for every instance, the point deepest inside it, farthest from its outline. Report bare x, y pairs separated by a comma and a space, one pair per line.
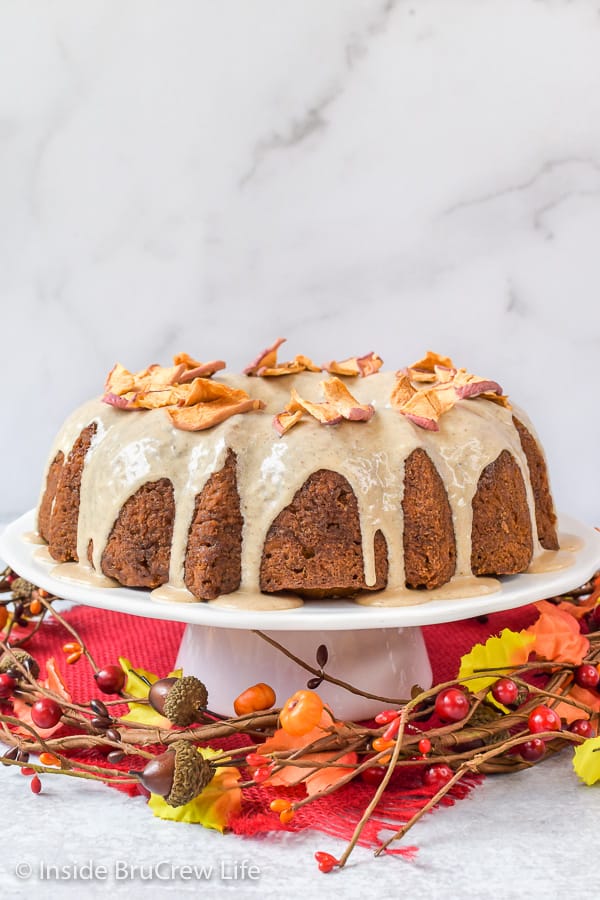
214, 807
586, 760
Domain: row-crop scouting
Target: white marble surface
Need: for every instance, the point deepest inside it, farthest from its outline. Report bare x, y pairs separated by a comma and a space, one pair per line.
353, 175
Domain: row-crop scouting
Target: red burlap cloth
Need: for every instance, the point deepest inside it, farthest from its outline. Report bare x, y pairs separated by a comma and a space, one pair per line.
153, 644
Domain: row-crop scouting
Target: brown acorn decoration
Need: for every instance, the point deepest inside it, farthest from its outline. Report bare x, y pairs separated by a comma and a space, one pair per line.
26, 659
179, 699
178, 775
22, 589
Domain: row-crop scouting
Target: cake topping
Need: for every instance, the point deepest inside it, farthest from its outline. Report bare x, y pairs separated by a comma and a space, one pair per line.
425, 369
355, 365
205, 415
192, 402
430, 387
266, 363
339, 404
121, 381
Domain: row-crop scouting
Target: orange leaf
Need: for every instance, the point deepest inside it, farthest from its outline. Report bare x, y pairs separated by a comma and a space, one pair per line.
329, 776
570, 713
322, 777
557, 635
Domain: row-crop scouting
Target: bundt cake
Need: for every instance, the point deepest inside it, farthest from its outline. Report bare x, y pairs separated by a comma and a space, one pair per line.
286, 479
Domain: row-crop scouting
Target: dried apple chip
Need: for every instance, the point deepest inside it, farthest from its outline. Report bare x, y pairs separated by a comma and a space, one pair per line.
424, 369
402, 391
337, 394
355, 365
266, 359
298, 364
196, 369
286, 420
469, 386
205, 415
324, 413
122, 401
307, 363
156, 377
120, 381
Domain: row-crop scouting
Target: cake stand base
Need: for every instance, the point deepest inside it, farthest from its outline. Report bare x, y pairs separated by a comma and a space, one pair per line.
386, 662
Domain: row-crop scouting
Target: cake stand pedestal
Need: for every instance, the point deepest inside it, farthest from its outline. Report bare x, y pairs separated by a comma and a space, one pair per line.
386, 662
379, 649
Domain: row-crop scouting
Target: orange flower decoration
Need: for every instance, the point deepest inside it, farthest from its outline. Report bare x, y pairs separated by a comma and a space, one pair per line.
557, 635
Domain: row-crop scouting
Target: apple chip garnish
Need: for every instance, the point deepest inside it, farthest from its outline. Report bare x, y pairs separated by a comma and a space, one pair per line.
439, 386
196, 369
403, 390
469, 386
337, 394
324, 413
122, 401
205, 415
265, 365
424, 409
339, 404
267, 359
120, 381
424, 369
297, 364
286, 420
355, 365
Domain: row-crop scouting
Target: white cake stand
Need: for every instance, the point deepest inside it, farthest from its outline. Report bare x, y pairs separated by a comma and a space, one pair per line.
379, 649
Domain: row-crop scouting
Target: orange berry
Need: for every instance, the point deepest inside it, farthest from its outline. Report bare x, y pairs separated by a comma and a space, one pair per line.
286, 815
301, 713
47, 759
253, 699
72, 647
3, 617
380, 744
279, 804
35, 607
43, 593
73, 657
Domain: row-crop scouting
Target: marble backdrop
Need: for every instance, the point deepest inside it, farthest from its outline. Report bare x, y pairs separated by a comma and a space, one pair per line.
353, 174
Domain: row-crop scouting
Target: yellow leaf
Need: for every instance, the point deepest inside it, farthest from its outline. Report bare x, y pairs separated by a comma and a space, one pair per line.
586, 760
137, 685
214, 807
511, 649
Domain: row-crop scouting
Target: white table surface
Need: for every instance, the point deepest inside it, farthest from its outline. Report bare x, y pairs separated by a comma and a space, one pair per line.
530, 834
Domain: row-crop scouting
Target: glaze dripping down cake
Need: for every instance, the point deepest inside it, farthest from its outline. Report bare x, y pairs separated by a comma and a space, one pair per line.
290, 480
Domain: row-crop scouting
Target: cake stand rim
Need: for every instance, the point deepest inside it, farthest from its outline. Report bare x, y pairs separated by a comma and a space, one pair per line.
314, 615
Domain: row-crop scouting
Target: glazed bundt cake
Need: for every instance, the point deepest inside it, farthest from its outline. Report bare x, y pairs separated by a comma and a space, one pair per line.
288, 479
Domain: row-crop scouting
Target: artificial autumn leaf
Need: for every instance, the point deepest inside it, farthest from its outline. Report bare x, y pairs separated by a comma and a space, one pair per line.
510, 648
213, 807
322, 777
137, 686
53, 682
581, 608
586, 760
557, 635
570, 713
